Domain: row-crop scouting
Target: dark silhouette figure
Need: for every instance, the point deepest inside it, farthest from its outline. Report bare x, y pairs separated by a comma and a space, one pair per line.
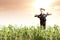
42, 17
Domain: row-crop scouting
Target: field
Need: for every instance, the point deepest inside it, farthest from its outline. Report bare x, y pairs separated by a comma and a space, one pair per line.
31, 33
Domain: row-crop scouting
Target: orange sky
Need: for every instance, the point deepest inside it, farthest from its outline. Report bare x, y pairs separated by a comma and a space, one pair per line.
22, 12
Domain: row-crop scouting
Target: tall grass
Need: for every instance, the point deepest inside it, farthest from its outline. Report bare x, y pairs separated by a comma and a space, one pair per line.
31, 33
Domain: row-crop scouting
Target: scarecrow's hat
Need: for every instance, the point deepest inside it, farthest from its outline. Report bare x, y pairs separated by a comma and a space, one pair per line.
42, 9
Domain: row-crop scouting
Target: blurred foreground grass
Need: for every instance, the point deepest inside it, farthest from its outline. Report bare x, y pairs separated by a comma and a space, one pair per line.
31, 33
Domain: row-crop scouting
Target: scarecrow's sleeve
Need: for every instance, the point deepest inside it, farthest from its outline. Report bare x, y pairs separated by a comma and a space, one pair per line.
48, 14
37, 16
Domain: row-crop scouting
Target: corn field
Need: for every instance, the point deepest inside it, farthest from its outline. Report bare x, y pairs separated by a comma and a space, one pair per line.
31, 33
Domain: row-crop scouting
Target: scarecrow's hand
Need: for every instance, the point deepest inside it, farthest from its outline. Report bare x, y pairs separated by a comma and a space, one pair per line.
36, 16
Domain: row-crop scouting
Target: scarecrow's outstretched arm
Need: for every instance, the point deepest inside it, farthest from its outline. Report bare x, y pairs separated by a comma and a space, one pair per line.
48, 14
37, 16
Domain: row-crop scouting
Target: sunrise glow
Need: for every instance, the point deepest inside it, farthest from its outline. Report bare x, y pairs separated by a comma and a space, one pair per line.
17, 12
41, 3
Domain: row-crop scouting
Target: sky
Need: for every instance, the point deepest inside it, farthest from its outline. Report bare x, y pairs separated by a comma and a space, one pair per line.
21, 12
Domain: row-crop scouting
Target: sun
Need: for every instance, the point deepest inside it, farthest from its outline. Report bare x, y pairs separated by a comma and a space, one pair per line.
41, 4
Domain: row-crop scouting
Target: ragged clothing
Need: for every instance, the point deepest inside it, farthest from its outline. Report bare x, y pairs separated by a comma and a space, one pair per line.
42, 17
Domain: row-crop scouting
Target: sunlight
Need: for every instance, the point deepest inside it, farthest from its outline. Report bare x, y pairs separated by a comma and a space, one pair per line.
41, 4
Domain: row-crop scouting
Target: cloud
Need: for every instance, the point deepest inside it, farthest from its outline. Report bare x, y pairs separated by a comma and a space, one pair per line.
55, 3
54, 8
15, 4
